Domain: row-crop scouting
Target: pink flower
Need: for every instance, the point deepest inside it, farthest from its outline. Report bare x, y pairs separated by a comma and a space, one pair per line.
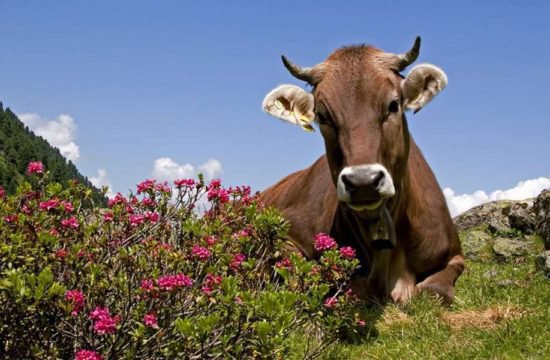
76, 299
35, 167
240, 191
49, 204
147, 285
136, 219
10, 219
104, 323
61, 253
148, 202
238, 300
108, 216
70, 222
210, 240
87, 355
200, 252
324, 242
188, 183
285, 263
330, 302
237, 261
171, 282
146, 185
219, 194
150, 320
241, 234
26, 210
67, 206
118, 199
348, 252
152, 216
214, 184
210, 281
207, 290
163, 188
360, 322
99, 313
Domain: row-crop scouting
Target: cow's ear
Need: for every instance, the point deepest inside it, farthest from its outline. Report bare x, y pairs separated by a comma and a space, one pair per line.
291, 103
422, 84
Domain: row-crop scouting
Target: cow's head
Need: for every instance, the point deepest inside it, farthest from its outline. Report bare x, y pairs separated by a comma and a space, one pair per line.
359, 99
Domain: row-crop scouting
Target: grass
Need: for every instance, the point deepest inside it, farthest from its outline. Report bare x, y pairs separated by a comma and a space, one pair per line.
501, 311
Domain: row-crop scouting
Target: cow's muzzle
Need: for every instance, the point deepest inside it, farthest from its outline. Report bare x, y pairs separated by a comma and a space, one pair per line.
365, 187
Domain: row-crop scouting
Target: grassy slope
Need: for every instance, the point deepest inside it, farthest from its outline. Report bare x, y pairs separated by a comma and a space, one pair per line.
505, 315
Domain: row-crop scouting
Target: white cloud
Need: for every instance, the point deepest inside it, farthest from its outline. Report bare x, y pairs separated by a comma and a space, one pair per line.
102, 180
523, 190
166, 169
59, 132
211, 168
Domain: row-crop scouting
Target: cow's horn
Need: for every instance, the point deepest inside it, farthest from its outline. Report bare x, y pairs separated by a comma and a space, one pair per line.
405, 59
302, 73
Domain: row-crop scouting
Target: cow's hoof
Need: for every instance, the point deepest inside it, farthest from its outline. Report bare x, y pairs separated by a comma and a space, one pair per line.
403, 292
445, 292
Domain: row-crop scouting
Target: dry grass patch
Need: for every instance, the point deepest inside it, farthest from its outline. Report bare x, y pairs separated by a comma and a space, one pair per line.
393, 316
483, 319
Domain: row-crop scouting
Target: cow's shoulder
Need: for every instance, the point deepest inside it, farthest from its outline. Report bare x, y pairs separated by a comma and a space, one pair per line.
425, 224
307, 200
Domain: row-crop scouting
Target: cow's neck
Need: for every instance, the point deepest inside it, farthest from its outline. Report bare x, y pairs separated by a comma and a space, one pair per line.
370, 235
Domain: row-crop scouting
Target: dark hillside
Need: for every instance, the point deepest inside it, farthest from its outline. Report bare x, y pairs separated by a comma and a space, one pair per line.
19, 146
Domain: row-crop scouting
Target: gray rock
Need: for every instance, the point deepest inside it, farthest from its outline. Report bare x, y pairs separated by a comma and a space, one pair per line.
542, 263
473, 243
522, 218
490, 273
495, 212
506, 248
541, 209
498, 224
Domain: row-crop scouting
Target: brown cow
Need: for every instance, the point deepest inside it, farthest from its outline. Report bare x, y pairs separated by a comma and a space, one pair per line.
373, 189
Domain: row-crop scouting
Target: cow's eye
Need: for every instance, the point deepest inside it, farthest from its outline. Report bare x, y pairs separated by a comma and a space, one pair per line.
393, 107
322, 119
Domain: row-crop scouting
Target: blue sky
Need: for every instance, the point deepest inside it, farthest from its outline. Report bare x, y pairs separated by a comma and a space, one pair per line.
144, 80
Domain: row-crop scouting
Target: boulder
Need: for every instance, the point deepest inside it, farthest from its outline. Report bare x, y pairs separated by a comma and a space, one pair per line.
541, 209
522, 218
506, 248
542, 263
495, 213
499, 217
473, 243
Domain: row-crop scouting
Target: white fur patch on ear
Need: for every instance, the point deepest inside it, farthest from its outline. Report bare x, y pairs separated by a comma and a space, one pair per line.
421, 85
290, 103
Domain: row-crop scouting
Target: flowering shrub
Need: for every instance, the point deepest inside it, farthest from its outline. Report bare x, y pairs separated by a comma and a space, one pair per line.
157, 275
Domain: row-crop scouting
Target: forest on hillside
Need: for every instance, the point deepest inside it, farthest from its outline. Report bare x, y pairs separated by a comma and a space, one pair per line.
19, 146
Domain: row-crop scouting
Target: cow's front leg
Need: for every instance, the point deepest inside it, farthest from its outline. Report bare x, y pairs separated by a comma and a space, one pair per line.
377, 280
442, 282
402, 281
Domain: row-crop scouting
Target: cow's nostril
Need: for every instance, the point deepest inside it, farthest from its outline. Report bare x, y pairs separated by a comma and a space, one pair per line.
375, 178
346, 179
